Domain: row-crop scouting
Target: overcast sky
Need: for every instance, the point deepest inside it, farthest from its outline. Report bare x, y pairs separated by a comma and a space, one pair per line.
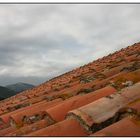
38, 42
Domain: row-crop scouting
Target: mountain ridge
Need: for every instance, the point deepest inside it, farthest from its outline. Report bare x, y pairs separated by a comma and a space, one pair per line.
5, 93
19, 87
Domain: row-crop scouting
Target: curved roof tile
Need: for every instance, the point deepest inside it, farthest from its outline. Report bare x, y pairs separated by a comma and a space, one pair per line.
5, 117
77, 101
125, 127
69, 127
33, 110
29, 128
106, 107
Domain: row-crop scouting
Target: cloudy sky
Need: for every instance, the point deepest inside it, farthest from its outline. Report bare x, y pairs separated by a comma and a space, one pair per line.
39, 41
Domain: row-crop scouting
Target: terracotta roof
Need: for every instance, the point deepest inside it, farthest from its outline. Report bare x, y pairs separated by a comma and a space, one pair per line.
101, 98
135, 105
68, 127
5, 117
3, 126
77, 101
29, 128
33, 110
7, 130
129, 126
106, 107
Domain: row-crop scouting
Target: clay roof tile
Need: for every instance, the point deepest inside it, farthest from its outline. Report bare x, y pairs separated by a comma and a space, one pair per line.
5, 131
33, 110
106, 107
5, 117
69, 127
29, 128
77, 101
125, 127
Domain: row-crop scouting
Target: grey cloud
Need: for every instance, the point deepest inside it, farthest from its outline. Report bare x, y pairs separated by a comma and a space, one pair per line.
38, 42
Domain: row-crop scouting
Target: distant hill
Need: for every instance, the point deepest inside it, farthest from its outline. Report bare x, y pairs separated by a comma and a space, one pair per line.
19, 87
5, 93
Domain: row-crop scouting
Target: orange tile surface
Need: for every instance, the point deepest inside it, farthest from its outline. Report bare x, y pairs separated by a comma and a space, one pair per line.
125, 127
101, 98
64, 128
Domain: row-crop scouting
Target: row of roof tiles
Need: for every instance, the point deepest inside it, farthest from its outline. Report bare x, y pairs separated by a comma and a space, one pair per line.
42, 85
90, 114
38, 112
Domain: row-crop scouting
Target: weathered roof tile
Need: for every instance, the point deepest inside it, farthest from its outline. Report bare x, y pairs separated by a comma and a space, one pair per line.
105, 108
69, 127
29, 128
5, 131
33, 110
77, 101
125, 127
